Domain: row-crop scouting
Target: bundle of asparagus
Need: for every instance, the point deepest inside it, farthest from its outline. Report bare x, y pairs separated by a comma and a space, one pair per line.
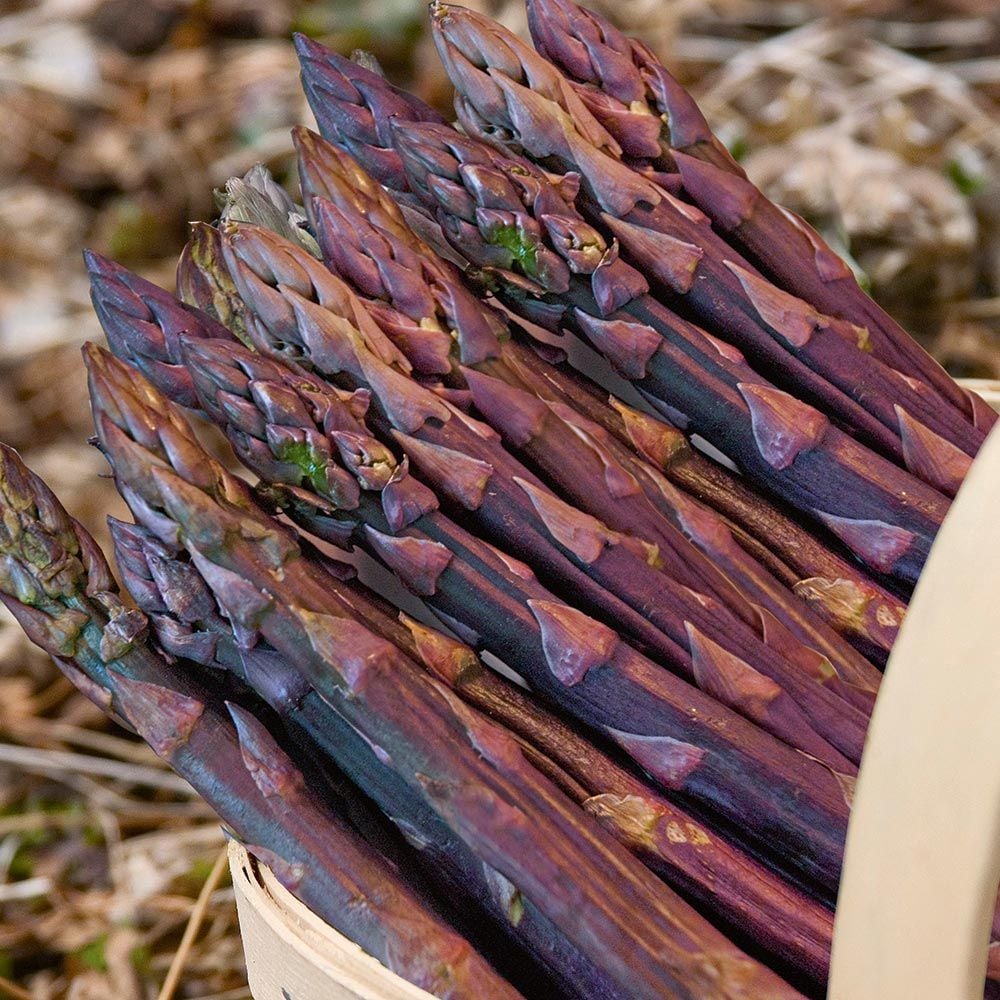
658, 805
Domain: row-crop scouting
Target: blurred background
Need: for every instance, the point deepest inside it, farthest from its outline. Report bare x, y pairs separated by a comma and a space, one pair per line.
876, 120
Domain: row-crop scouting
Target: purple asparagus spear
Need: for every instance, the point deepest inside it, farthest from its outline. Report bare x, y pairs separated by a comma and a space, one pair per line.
636, 98
565, 447
353, 102
376, 251
866, 533
667, 838
463, 461
423, 301
490, 596
189, 623
55, 581
503, 83
465, 768
885, 516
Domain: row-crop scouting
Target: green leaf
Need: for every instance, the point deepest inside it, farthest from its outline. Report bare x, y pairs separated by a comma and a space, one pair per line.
312, 465
142, 959
739, 148
968, 183
94, 954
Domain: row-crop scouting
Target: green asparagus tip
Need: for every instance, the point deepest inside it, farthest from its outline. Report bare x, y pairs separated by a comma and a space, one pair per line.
515, 241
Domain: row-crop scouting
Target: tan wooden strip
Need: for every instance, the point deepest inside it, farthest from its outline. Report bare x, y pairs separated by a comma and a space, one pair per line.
923, 848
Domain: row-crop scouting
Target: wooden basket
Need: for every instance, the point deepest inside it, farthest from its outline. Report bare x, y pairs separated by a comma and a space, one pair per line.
922, 862
293, 955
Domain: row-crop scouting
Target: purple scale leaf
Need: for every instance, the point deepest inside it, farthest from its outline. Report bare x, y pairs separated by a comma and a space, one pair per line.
637, 132
366, 457
628, 346
880, 544
620, 483
519, 569
573, 643
782, 426
931, 457
794, 319
582, 534
615, 284
489, 187
672, 261
405, 500
579, 243
407, 405
178, 640
357, 652
829, 265
728, 678
164, 718
447, 658
454, 474
669, 761
418, 562
732, 198
518, 415
657, 441
779, 637
272, 770
240, 601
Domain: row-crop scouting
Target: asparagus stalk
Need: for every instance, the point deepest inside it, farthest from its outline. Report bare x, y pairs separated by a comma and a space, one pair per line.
837, 590
878, 543
354, 103
488, 595
293, 447
430, 311
726, 883
551, 438
462, 461
188, 622
432, 324
56, 583
503, 84
424, 944
466, 769
613, 284
781, 443
661, 129
276, 434
843, 665
669, 839
422, 302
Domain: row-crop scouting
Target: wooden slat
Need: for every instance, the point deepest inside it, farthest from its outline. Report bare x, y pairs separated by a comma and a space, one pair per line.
293, 955
923, 847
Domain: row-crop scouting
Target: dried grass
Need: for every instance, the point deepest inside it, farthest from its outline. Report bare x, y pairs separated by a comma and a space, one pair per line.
896, 159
